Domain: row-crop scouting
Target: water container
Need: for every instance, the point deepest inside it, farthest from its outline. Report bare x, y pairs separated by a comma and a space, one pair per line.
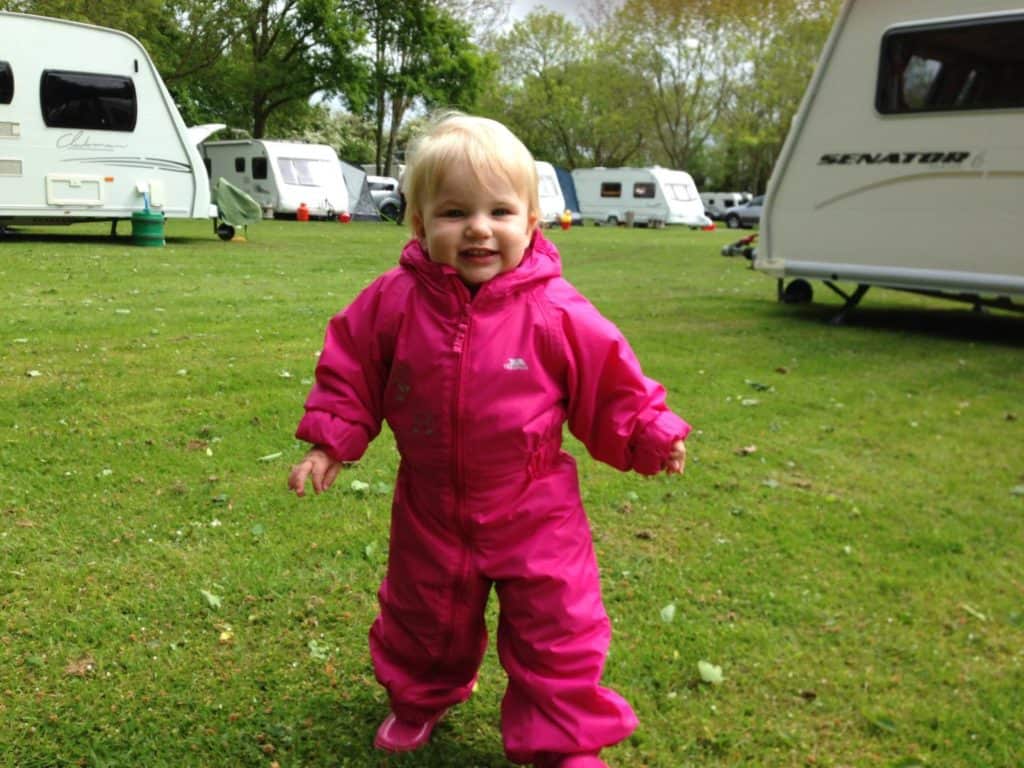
147, 228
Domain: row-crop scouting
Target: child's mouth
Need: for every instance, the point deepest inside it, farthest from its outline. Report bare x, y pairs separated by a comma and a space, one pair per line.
477, 254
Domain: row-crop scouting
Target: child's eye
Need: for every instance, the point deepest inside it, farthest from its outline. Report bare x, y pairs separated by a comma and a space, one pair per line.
451, 213
501, 212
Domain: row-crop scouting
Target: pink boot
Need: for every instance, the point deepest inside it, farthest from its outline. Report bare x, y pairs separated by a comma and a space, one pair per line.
588, 760
396, 735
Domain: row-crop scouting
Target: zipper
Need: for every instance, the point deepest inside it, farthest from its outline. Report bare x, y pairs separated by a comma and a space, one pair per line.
460, 345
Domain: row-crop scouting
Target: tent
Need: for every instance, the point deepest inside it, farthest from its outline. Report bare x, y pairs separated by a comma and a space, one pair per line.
572, 203
361, 205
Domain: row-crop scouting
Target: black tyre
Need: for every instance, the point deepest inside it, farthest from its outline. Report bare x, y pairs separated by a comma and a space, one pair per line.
797, 292
732, 221
225, 231
389, 211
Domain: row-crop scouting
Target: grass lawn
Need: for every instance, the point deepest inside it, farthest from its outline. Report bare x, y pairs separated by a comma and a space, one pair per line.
846, 544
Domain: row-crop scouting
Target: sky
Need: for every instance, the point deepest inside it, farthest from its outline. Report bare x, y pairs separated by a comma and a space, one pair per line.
568, 8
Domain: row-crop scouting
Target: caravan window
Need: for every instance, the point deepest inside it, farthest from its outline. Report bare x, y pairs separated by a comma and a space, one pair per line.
239, 165
681, 191
546, 187
954, 66
303, 172
643, 189
6, 83
88, 101
259, 167
611, 189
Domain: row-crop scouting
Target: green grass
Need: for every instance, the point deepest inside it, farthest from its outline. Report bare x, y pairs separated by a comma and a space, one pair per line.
858, 577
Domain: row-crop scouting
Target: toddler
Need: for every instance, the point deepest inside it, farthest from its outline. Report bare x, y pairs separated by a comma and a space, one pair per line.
476, 351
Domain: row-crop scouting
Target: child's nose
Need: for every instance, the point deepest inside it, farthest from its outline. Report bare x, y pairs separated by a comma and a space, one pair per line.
477, 226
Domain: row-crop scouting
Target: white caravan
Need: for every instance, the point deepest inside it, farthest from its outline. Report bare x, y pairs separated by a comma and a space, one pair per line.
281, 175
549, 193
88, 130
904, 166
648, 196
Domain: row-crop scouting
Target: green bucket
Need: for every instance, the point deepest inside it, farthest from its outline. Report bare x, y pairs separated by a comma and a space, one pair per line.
147, 228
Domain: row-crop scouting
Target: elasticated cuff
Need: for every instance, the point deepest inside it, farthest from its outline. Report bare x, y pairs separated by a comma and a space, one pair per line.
654, 444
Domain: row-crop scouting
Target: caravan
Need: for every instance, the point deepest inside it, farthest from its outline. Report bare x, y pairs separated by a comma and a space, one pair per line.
648, 196
549, 194
281, 176
904, 166
88, 130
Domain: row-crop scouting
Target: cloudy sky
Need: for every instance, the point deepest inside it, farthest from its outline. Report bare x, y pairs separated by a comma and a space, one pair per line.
568, 8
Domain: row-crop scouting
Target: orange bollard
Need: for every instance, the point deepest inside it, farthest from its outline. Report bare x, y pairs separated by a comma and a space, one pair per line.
302, 212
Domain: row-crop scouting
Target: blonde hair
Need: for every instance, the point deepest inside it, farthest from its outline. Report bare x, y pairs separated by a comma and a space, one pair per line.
487, 146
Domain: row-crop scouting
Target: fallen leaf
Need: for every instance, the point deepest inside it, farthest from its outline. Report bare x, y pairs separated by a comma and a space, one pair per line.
668, 613
746, 450
881, 721
212, 600
710, 673
318, 650
82, 667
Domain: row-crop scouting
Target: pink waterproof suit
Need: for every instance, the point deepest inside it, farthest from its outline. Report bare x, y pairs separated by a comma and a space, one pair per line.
476, 390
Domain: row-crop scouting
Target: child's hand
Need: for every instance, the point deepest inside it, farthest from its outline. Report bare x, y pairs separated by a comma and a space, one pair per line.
676, 463
319, 467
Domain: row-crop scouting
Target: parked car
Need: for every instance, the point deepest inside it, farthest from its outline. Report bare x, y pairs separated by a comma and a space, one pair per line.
384, 191
718, 204
746, 215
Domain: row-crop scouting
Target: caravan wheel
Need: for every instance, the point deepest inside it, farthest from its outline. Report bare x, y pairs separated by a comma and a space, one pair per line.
797, 292
389, 211
225, 231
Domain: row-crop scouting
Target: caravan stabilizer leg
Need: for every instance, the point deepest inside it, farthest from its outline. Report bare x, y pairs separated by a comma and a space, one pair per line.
852, 300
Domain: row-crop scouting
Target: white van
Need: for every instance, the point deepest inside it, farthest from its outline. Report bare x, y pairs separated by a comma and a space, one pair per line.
904, 166
88, 130
549, 192
281, 175
718, 204
648, 196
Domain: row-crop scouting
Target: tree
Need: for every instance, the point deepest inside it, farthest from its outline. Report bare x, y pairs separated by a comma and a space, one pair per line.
421, 54
784, 41
284, 53
686, 52
571, 102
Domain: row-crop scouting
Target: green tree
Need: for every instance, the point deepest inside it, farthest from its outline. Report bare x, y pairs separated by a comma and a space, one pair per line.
283, 54
421, 55
686, 54
572, 102
783, 43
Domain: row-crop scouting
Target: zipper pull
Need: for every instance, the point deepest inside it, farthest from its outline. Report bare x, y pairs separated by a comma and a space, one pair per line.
460, 335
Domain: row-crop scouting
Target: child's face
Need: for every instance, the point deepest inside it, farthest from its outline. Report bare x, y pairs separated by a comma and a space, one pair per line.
479, 227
